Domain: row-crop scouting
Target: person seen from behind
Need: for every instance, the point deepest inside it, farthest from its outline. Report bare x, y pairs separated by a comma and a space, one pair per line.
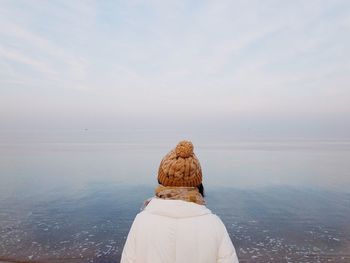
175, 226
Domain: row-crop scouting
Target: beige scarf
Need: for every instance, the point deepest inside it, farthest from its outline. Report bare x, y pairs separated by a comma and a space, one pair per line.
189, 194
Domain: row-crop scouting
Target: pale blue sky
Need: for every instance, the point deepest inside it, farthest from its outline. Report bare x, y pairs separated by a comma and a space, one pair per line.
270, 65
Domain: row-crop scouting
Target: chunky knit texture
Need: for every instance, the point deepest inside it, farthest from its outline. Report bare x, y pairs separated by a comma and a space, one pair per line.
188, 194
180, 167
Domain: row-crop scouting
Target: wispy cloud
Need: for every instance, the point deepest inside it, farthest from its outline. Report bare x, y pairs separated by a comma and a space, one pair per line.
17, 57
57, 65
156, 58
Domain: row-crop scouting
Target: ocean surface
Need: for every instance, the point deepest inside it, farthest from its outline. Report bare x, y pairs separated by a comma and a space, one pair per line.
71, 196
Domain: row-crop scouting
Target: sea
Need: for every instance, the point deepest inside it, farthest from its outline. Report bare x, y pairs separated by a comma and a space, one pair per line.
71, 196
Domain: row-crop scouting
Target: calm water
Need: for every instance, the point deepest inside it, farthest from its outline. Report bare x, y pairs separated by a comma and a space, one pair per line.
71, 196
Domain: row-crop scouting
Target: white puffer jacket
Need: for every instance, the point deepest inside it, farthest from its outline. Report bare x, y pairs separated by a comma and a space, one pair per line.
178, 232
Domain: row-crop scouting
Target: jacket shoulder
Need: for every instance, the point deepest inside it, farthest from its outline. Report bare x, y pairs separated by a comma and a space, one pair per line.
217, 222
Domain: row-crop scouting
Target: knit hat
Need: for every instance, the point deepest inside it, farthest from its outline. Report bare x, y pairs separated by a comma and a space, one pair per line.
180, 167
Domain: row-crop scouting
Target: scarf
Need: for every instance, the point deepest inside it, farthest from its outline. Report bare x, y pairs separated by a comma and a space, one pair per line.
189, 194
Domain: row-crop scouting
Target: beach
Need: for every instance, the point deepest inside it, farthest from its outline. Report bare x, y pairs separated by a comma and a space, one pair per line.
73, 200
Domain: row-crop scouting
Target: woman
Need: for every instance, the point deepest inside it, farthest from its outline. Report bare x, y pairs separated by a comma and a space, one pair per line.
175, 225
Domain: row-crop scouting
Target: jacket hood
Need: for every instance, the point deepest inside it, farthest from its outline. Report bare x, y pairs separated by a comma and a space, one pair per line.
175, 208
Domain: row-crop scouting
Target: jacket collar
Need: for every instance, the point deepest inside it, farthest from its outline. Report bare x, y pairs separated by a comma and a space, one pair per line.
175, 208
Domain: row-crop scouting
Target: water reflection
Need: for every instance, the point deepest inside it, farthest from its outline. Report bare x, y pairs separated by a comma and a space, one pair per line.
73, 197
238, 164
286, 224
89, 226
266, 225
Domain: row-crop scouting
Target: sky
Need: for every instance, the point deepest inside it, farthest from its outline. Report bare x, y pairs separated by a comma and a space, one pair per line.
264, 68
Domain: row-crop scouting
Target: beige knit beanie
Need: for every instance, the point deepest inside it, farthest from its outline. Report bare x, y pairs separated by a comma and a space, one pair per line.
180, 167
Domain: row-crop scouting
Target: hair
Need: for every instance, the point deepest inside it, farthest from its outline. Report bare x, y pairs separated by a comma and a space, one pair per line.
199, 187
